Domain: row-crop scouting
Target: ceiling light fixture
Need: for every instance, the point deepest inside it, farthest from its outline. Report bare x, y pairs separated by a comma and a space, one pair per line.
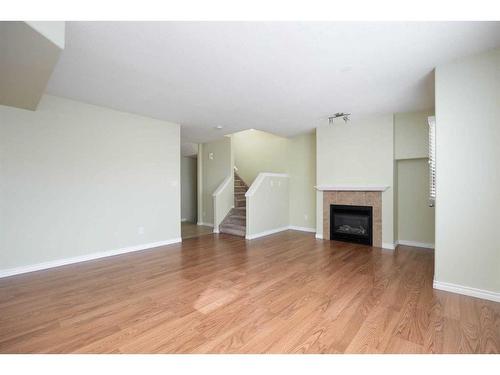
345, 117
218, 127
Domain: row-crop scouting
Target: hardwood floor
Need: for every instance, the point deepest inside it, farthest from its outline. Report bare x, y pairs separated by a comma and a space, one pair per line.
190, 230
285, 293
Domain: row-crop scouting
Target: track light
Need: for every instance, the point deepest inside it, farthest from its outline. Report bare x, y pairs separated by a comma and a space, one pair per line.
345, 117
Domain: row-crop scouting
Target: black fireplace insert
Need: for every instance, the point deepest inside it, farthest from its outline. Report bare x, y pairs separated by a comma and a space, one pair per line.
351, 224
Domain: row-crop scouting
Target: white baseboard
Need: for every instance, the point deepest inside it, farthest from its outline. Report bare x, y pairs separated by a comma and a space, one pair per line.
265, 233
83, 258
302, 229
206, 224
468, 291
319, 236
415, 244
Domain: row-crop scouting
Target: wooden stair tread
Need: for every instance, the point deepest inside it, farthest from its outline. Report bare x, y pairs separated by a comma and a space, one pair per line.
233, 226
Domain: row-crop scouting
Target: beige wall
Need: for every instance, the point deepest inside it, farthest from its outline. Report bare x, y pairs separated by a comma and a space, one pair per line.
414, 216
395, 197
411, 134
358, 153
267, 205
214, 171
302, 171
256, 151
188, 188
78, 179
468, 172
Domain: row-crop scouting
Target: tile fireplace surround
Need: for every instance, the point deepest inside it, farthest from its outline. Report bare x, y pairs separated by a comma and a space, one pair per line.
372, 196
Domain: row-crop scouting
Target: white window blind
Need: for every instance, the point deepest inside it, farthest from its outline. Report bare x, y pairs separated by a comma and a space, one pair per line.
432, 161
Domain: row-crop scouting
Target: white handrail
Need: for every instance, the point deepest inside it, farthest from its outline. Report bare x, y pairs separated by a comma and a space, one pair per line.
222, 186
258, 181
223, 199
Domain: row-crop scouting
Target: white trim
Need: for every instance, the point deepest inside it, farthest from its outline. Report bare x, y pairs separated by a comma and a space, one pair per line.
265, 233
415, 244
319, 236
258, 181
84, 258
199, 182
223, 201
222, 186
302, 229
206, 224
388, 246
352, 187
468, 291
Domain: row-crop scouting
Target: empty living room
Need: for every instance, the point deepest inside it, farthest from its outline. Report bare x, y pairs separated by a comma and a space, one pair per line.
269, 184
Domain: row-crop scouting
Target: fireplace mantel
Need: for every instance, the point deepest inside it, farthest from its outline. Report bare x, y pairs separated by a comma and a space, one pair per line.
351, 188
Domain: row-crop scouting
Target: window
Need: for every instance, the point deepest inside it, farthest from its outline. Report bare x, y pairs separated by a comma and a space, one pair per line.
432, 161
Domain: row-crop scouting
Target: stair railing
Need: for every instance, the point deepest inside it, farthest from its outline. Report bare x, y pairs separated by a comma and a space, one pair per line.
223, 198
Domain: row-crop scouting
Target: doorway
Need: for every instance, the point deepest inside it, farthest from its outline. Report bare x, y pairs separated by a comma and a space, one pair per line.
189, 199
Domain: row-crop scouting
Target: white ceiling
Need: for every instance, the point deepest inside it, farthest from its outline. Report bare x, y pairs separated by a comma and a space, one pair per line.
281, 77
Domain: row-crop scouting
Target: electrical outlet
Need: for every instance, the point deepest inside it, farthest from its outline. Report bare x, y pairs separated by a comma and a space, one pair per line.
140, 230
306, 217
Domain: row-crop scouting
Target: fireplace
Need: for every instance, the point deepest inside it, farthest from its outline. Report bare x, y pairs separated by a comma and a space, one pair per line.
351, 224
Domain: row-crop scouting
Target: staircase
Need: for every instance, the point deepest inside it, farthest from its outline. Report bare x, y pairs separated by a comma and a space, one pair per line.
236, 220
